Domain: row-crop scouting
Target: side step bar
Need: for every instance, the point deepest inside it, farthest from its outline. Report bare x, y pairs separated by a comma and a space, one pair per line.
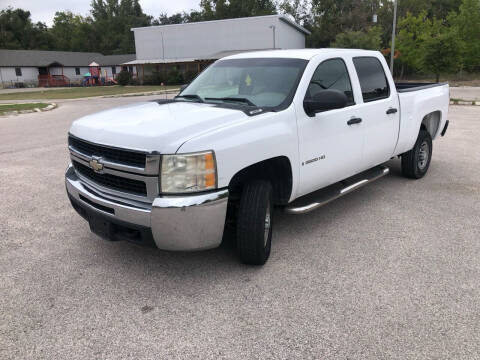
323, 196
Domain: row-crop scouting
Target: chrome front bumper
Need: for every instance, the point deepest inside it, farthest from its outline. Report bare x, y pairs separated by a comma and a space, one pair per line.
187, 223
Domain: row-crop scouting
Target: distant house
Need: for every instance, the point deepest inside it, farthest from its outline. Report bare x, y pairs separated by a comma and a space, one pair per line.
193, 46
50, 68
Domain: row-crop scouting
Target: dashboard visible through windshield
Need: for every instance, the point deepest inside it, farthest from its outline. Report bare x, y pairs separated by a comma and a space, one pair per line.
260, 82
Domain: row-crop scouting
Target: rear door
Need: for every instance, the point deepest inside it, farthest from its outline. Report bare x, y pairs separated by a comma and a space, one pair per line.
330, 149
379, 110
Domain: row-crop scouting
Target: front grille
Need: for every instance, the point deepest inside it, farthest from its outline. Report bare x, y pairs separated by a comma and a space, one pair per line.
111, 181
126, 157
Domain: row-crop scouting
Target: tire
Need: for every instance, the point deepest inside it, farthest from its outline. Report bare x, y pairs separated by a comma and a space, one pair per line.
415, 163
254, 223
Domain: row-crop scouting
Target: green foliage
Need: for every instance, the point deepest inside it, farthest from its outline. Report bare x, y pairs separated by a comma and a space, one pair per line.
123, 78
411, 38
429, 45
189, 76
18, 32
228, 9
156, 78
297, 9
73, 32
174, 77
369, 40
332, 17
441, 54
112, 21
467, 25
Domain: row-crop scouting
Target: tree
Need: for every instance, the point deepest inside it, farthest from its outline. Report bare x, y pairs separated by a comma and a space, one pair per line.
332, 17
73, 32
369, 40
112, 21
229, 9
18, 32
429, 45
467, 24
297, 9
430, 8
410, 39
164, 19
441, 54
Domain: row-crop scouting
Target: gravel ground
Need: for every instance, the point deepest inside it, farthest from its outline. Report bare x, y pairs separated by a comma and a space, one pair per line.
391, 271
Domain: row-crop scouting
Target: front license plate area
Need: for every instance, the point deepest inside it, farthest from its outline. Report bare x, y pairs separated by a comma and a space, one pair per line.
101, 228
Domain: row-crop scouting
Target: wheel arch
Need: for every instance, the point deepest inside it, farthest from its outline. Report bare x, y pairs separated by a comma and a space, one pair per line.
277, 170
431, 123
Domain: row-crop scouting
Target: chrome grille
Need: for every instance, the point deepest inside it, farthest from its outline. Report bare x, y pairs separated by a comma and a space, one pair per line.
127, 157
111, 181
116, 173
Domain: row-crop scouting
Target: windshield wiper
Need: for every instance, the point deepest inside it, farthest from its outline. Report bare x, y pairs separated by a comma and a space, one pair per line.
243, 100
190, 96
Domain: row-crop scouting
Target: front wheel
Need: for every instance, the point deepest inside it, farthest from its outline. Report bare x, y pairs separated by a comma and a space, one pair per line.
254, 223
415, 163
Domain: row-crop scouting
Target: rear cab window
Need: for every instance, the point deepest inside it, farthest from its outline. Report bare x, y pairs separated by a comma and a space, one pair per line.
372, 78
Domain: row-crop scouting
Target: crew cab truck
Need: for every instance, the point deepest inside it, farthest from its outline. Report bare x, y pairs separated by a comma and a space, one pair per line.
288, 128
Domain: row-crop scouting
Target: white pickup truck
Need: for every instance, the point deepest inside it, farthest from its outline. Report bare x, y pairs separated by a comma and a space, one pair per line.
288, 128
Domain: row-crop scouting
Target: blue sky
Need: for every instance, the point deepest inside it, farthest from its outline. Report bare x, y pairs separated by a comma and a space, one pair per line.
44, 10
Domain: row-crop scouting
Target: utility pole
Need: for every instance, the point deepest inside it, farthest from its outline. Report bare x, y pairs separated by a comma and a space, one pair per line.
392, 52
163, 65
273, 28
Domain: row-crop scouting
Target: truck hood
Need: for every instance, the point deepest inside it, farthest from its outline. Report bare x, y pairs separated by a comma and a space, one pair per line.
151, 126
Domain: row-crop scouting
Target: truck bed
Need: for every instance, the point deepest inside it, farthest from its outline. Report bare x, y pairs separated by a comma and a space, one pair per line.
420, 103
412, 86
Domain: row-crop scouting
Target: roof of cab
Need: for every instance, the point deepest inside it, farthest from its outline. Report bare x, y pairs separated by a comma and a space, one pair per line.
306, 54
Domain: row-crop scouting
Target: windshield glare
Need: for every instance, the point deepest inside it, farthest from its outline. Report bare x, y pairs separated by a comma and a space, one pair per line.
264, 82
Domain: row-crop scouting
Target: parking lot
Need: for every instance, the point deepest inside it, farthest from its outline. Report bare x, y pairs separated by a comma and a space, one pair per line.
390, 271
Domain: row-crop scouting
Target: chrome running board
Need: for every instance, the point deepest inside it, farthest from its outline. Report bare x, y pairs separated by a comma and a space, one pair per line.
323, 196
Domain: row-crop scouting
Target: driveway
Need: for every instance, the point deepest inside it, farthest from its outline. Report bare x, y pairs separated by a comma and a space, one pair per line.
391, 271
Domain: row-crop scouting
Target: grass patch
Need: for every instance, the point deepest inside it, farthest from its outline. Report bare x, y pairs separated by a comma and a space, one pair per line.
80, 92
19, 107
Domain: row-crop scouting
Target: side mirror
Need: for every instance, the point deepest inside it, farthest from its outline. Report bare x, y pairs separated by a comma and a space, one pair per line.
325, 100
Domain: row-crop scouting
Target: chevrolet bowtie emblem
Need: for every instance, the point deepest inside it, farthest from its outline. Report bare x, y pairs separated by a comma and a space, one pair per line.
96, 164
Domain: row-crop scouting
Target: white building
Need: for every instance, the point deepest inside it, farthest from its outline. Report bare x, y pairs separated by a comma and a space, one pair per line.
192, 46
34, 67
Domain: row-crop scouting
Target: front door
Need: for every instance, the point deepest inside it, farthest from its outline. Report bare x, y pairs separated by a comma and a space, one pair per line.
330, 148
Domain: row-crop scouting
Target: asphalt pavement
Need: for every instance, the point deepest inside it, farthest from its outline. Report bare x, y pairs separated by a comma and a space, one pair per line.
391, 271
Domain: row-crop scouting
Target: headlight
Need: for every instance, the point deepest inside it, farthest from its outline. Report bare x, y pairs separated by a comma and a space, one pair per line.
188, 172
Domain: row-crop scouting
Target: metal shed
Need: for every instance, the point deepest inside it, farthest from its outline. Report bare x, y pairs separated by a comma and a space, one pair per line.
192, 46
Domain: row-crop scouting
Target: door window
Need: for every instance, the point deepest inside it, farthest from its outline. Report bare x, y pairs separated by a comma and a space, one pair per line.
331, 74
373, 81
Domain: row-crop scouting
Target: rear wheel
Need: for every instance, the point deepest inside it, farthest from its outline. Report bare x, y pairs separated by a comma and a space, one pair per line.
415, 163
254, 222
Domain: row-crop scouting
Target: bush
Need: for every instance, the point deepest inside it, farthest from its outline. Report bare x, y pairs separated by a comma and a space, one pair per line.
189, 76
124, 78
174, 77
156, 78
134, 81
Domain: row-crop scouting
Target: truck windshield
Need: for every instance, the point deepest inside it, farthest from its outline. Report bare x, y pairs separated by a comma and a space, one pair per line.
261, 82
